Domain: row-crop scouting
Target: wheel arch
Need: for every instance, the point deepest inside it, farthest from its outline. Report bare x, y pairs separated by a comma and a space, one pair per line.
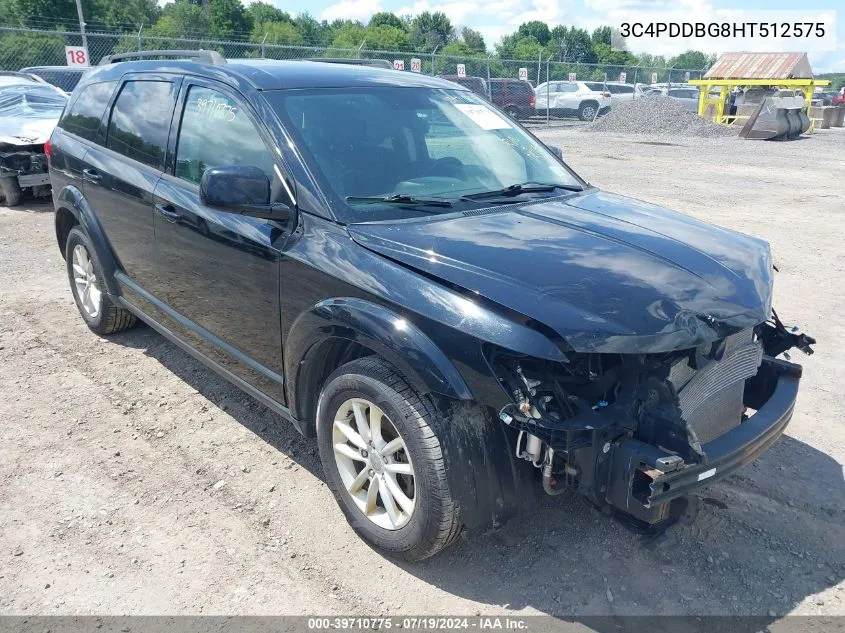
73, 210
336, 331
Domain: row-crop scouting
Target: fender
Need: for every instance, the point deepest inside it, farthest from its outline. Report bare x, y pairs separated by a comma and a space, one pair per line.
71, 198
378, 329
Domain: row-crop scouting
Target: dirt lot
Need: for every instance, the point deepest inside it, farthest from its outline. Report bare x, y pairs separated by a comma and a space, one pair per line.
132, 480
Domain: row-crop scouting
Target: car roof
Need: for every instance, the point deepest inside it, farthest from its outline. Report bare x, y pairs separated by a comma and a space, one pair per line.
271, 74
12, 80
69, 69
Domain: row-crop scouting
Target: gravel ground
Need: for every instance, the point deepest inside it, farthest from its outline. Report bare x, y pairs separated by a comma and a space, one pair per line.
132, 480
658, 116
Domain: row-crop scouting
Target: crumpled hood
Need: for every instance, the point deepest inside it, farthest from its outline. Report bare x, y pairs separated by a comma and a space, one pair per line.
26, 131
608, 273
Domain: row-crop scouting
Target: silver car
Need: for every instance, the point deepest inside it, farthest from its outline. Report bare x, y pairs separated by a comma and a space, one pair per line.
685, 95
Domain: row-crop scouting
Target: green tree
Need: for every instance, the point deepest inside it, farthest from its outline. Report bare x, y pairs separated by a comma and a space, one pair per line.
693, 60
181, 19
385, 38
473, 40
18, 50
263, 12
276, 33
312, 31
348, 34
385, 18
228, 18
430, 30
536, 29
123, 15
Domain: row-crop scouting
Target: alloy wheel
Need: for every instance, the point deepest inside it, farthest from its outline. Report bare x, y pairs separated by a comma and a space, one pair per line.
87, 286
374, 464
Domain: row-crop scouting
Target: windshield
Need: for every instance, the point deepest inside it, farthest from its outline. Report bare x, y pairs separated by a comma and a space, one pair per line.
420, 143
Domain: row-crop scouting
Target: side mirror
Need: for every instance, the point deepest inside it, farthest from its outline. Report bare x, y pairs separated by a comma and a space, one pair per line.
235, 187
243, 189
554, 149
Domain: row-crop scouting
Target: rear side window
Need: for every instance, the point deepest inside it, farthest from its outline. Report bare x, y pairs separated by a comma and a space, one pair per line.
215, 131
615, 89
140, 121
83, 117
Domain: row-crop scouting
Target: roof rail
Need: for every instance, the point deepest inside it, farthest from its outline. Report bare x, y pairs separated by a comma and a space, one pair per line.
14, 73
201, 55
375, 63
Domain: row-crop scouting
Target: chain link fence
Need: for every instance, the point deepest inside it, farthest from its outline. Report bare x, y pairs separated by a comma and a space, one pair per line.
22, 47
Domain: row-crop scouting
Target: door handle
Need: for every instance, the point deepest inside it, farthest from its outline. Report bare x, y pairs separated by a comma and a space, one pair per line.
92, 176
168, 212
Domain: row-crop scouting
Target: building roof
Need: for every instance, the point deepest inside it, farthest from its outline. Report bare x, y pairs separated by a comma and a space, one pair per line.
761, 66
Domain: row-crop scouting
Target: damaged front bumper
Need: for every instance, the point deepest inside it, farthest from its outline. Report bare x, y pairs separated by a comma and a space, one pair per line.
644, 480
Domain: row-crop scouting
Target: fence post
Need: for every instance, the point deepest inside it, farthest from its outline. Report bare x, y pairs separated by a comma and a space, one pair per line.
263, 53
358, 54
488, 73
434, 60
140, 44
548, 63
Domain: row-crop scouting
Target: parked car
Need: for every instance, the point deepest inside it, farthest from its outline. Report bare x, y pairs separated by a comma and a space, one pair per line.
514, 96
824, 98
395, 267
570, 98
618, 90
63, 77
476, 84
29, 110
685, 95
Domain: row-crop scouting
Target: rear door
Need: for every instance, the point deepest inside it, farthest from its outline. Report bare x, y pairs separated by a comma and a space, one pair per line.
218, 271
119, 178
78, 129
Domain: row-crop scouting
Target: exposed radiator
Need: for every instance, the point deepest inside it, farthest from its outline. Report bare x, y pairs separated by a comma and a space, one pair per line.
711, 398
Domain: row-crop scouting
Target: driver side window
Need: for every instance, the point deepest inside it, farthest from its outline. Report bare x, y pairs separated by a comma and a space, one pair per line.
215, 131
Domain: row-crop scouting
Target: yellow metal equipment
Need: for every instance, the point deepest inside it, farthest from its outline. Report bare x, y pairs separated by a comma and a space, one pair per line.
724, 86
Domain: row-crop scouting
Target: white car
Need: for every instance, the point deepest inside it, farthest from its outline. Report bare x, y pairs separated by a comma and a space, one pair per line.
618, 90
570, 98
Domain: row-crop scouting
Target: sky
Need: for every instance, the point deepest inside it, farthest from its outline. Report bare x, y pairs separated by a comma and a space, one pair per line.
495, 18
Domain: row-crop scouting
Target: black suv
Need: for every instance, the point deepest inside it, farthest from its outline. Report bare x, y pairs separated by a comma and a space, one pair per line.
392, 265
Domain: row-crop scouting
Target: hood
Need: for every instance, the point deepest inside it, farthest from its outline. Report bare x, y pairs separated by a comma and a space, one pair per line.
607, 273
26, 131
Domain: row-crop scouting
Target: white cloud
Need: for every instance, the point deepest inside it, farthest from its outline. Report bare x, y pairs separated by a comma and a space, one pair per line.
351, 10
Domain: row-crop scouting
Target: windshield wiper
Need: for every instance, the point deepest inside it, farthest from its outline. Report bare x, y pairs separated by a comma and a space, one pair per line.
515, 190
401, 198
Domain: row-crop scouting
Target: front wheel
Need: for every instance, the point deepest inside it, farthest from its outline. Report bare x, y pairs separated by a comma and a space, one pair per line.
384, 462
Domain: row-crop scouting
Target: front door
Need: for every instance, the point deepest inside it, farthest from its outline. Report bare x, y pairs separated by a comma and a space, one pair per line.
218, 271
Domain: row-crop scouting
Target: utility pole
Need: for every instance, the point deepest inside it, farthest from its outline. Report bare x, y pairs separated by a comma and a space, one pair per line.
82, 24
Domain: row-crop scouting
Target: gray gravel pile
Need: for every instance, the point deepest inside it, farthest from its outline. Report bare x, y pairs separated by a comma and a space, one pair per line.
657, 116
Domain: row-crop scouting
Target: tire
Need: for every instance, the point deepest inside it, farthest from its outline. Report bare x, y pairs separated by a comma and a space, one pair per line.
12, 191
587, 110
96, 308
433, 522
513, 112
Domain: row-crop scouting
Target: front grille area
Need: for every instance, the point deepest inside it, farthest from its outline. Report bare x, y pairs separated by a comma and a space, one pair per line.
711, 398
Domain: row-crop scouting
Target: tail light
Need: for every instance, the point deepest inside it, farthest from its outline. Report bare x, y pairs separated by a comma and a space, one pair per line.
531, 100
48, 147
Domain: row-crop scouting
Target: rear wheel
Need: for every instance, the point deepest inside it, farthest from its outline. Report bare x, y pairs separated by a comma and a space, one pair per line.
11, 191
587, 111
86, 283
512, 111
383, 460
